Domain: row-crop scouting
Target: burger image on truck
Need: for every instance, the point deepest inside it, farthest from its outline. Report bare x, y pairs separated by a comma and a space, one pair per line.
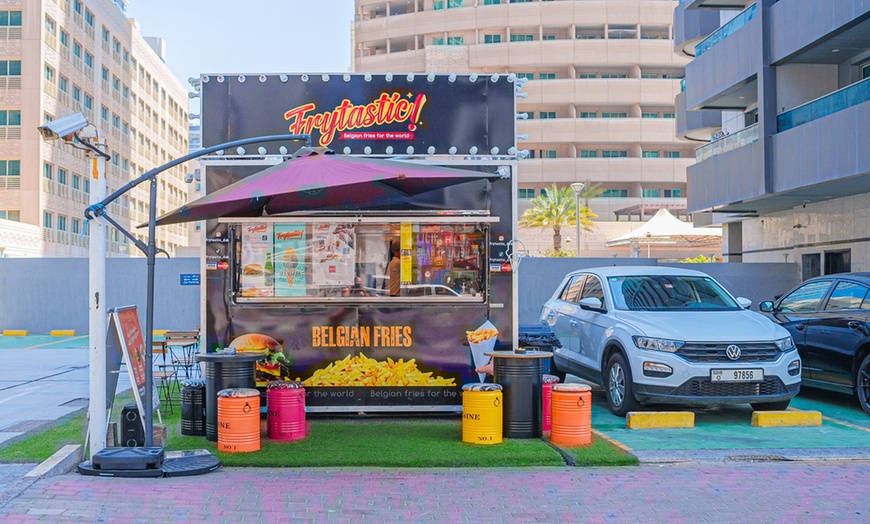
273, 365
252, 270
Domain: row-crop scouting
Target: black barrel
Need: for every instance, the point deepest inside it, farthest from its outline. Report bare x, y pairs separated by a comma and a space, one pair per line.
224, 373
193, 408
521, 380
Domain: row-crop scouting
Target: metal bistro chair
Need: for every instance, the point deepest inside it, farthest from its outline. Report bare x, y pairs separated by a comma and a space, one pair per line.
166, 374
187, 342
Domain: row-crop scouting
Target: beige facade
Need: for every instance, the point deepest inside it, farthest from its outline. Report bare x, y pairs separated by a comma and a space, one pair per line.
602, 78
67, 56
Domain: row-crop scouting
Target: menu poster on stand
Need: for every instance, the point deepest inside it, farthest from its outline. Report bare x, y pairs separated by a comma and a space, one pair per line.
126, 332
333, 254
290, 240
258, 268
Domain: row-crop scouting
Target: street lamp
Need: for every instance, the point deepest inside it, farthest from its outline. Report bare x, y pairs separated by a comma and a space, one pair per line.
578, 188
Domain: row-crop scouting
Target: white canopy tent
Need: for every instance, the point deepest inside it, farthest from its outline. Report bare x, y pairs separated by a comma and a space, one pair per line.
665, 228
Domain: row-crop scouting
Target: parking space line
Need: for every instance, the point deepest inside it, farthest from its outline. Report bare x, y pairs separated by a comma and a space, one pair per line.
55, 342
840, 422
611, 440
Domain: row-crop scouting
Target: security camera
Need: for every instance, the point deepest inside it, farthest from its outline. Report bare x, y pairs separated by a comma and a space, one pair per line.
188, 178
63, 127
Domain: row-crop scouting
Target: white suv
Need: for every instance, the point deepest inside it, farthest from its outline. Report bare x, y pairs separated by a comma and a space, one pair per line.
667, 335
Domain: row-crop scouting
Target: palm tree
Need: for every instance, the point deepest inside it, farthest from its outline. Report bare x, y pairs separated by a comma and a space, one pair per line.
554, 208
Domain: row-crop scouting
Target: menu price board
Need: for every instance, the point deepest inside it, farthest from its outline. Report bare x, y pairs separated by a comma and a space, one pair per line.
125, 332
333, 254
258, 268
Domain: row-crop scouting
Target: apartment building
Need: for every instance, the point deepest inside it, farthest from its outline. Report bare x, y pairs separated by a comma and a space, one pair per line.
601, 78
783, 89
67, 56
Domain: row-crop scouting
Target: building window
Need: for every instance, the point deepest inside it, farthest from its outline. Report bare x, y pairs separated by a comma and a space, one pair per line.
10, 168
50, 26
614, 154
89, 17
588, 114
64, 38
10, 117
105, 75
651, 193
672, 154
521, 38
77, 49
584, 76
116, 121
612, 114
116, 46
491, 39
548, 37
76, 226
672, 76
61, 223
10, 18
77, 93
650, 115
615, 193
455, 40
76, 181
673, 193
546, 76
649, 75
89, 60
104, 113
13, 215
520, 1
526, 193
49, 74
87, 187
527, 76
10, 67
48, 171
46, 219
105, 35
61, 176
669, 115
614, 75
544, 115
63, 84
588, 153
650, 154
491, 2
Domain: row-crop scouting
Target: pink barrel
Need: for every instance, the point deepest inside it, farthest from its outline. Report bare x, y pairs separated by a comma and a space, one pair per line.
546, 395
285, 409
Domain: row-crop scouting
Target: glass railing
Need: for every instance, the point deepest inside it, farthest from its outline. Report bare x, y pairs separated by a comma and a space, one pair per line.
844, 98
683, 84
727, 143
723, 32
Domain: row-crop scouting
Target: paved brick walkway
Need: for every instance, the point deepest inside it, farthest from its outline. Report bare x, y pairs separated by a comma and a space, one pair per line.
692, 493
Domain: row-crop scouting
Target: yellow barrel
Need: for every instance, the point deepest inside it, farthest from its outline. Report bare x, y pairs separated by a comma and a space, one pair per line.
571, 406
482, 417
238, 414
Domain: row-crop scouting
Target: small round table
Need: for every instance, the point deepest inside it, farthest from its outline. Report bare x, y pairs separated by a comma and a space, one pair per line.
520, 374
225, 371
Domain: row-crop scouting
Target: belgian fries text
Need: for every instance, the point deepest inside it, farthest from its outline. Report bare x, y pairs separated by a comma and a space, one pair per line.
480, 335
361, 370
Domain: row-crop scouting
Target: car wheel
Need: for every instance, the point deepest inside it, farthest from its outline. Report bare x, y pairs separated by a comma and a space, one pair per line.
862, 384
555, 371
770, 406
618, 386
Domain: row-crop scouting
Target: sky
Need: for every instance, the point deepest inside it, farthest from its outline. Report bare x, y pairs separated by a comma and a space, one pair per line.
254, 36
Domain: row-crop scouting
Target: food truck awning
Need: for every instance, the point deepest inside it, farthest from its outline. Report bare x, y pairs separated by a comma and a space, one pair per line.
318, 179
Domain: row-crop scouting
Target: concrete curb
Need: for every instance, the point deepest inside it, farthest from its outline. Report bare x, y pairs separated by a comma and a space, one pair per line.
62, 462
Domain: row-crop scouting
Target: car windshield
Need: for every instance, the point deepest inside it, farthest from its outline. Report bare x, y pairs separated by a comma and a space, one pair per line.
668, 293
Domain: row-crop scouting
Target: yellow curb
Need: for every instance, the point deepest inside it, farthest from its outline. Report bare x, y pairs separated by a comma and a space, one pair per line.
768, 419
659, 419
63, 332
15, 332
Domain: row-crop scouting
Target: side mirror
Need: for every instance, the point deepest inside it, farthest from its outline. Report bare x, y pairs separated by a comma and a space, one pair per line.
592, 304
744, 302
766, 306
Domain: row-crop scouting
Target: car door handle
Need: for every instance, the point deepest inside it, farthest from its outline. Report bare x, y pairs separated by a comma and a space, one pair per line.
859, 326
573, 323
799, 327
551, 314
853, 324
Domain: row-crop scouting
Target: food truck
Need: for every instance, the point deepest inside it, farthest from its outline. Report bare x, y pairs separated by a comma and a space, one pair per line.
366, 292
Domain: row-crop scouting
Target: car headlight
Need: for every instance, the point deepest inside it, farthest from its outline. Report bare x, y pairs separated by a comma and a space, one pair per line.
658, 344
785, 344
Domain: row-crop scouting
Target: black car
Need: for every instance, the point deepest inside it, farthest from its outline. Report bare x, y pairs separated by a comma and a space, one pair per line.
828, 319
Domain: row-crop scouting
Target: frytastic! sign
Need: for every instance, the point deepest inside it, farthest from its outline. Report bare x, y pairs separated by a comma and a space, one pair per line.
370, 114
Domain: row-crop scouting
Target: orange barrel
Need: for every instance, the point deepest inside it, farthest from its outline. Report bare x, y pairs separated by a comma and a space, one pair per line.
482, 418
238, 415
285, 408
546, 392
572, 414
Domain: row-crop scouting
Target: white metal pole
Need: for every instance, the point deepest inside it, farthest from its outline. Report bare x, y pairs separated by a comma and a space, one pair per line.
577, 187
97, 310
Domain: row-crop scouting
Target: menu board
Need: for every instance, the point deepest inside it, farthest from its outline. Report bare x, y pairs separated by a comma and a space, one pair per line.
289, 260
126, 332
333, 254
258, 267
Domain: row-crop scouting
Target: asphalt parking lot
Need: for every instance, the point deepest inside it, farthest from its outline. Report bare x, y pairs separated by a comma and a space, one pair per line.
45, 378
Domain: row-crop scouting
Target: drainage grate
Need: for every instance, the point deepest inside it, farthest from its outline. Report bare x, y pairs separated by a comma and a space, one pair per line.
77, 403
24, 426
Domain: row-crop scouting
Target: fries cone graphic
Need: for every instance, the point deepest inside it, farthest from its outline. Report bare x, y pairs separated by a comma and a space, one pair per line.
482, 341
291, 260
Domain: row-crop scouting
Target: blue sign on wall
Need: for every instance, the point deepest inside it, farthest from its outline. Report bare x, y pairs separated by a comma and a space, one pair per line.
190, 279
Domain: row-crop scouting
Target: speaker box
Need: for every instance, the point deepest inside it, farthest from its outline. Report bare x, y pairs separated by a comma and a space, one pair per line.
132, 431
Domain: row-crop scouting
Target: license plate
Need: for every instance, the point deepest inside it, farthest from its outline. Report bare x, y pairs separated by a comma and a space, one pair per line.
736, 375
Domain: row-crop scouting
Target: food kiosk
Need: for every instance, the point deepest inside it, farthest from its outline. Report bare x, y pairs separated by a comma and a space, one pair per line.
316, 289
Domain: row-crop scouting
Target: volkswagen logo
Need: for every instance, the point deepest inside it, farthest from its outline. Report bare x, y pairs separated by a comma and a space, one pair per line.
733, 351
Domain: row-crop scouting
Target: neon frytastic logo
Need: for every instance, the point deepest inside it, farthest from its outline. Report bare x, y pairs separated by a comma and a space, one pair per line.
386, 109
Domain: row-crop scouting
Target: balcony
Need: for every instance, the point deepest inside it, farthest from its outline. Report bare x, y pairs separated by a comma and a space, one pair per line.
731, 142
691, 26
726, 30
844, 98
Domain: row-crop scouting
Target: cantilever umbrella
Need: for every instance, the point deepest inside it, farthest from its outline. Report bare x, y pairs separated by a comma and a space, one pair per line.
320, 180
